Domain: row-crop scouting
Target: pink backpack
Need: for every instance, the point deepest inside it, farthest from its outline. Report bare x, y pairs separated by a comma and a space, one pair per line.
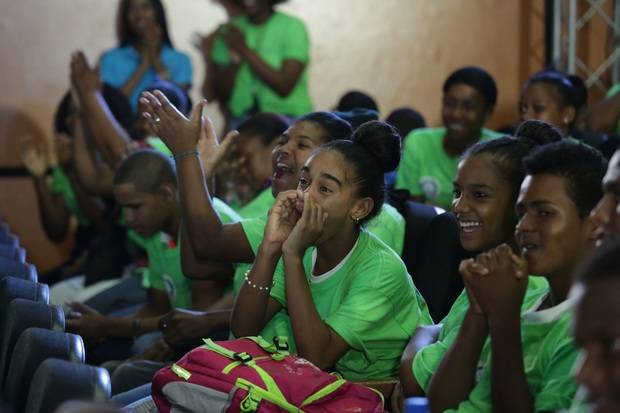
252, 375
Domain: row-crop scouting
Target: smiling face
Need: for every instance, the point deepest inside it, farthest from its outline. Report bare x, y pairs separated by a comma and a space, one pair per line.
330, 184
464, 111
597, 331
539, 101
551, 235
483, 204
145, 213
140, 16
291, 152
606, 215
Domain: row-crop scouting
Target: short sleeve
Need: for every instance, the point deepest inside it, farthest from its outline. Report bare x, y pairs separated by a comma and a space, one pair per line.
254, 229
226, 213
408, 173
427, 360
558, 386
296, 42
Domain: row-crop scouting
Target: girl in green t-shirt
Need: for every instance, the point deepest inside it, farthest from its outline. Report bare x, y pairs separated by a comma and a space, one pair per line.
485, 191
349, 298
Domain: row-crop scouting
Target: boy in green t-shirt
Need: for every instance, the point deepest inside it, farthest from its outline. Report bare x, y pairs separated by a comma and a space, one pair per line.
431, 155
145, 186
597, 331
501, 359
596, 327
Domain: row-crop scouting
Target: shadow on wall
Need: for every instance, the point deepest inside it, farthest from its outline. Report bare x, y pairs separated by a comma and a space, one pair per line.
16, 126
18, 199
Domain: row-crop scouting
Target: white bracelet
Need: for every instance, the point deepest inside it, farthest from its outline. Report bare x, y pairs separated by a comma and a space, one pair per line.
255, 286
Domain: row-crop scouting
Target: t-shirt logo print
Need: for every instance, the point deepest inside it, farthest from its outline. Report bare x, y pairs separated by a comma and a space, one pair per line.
430, 187
170, 288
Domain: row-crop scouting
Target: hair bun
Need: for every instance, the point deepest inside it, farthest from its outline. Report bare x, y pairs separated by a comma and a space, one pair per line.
382, 141
538, 132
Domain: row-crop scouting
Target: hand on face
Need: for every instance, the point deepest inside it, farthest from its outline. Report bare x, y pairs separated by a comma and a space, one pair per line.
34, 159
497, 281
282, 218
85, 321
84, 78
307, 230
165, 121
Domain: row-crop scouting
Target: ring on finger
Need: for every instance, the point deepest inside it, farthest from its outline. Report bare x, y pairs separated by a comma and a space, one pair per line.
157, 119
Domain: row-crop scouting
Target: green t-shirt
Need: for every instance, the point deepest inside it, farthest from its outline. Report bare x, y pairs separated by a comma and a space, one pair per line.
61, 185
615, 89
425, 168
164, 272
548, 348
259, 206
370, 301
389, 227
281, 38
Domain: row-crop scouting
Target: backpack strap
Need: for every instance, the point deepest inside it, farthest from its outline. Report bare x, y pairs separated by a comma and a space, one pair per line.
257, 393
325, 391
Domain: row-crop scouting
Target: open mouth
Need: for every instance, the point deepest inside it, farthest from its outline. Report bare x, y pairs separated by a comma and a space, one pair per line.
281, 169
469, 226
528, 247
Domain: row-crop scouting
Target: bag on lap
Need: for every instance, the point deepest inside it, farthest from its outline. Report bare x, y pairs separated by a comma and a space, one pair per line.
252, 375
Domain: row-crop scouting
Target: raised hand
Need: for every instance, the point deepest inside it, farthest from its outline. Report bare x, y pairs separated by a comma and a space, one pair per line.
212, 152
34, 159
85, 79
307, 230
179, 133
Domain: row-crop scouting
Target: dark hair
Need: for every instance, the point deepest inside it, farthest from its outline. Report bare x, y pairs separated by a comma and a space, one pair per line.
581, 165
175, 94
357, 117
117, 103
508, 152
147, 170
333, 126
123, 31
604, 264
477, 78
373, 150
406, 120
356, 99
570, 90
265, 126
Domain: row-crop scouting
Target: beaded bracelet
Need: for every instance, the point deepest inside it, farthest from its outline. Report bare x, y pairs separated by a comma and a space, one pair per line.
185, 154
255, 286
